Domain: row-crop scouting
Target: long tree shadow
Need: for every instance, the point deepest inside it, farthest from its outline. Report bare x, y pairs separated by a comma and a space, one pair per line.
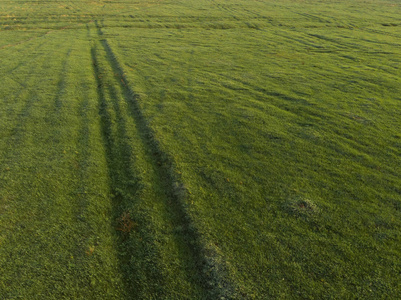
61, 84
204, 266
137, 255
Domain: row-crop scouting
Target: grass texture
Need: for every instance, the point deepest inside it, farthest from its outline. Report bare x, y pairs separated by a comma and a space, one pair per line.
200, 149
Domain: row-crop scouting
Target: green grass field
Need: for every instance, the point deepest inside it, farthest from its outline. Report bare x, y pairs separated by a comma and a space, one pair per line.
222, 149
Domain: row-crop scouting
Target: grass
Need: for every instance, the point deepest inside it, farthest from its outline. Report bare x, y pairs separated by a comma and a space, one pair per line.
200, 149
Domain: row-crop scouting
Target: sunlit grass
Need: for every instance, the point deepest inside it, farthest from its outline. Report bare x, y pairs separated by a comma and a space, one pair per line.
199, 150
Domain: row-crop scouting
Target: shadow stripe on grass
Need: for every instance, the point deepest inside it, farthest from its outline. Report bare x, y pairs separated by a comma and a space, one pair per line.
138, 260
212, 269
